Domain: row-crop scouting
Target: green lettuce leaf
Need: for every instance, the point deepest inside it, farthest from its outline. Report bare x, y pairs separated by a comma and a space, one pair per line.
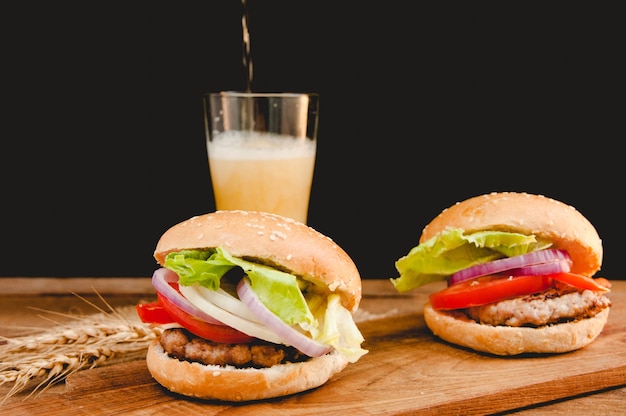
205, 267
278, 291
450, 251
340, 330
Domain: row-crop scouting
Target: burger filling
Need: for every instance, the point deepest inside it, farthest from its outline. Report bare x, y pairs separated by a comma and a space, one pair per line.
556, 305
180, 344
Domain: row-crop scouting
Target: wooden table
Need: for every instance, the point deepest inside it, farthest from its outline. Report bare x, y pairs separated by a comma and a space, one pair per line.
406, 371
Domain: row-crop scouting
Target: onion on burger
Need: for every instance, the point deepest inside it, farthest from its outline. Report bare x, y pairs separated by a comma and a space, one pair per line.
519, 273
252, 305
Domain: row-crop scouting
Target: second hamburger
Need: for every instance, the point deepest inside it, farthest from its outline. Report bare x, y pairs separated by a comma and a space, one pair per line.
519, 273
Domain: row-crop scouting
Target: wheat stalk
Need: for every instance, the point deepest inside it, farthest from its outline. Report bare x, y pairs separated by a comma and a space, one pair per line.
41, 360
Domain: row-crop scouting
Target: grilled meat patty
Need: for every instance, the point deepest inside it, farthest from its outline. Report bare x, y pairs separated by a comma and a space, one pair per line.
183, 345
550, 307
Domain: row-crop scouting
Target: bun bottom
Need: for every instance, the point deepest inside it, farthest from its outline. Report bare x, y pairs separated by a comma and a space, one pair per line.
458, 329
228, 383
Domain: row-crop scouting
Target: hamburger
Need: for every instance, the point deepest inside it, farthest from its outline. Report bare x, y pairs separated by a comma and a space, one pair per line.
519, 270
252, 306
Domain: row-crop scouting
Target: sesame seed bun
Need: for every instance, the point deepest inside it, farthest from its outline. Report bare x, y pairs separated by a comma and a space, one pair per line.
528, 214
273, 240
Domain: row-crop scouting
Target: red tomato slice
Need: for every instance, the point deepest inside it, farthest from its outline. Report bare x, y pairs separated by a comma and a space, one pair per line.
583, 282
153, 313
203, 329
487, 289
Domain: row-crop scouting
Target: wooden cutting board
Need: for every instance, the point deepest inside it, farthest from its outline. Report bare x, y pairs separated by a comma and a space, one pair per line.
407, 371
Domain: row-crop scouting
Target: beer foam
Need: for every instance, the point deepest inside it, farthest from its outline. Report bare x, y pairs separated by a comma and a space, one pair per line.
257, 145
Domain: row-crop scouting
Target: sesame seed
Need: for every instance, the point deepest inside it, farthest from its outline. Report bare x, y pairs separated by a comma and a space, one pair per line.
278, 234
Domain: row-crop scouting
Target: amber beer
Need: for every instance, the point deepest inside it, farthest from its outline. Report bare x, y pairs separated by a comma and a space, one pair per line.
261, 151
262, 173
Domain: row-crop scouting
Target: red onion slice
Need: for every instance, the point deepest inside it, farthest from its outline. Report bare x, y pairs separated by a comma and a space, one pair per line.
289, 335
515, 262
559, 266
161, 279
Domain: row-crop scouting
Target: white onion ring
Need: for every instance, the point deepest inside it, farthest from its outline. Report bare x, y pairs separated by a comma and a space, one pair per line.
290, 335
195, 295
160, 279
228, 302
515, 262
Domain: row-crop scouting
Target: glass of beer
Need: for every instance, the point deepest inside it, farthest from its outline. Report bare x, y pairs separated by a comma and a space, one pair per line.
261, 149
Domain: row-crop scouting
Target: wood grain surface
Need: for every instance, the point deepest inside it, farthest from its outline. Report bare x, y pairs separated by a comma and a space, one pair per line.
407, 371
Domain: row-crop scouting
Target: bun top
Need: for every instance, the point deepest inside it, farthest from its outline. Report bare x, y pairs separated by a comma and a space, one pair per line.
273, 240
525, 213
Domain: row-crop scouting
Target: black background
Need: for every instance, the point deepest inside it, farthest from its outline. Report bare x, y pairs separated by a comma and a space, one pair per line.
421, 106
